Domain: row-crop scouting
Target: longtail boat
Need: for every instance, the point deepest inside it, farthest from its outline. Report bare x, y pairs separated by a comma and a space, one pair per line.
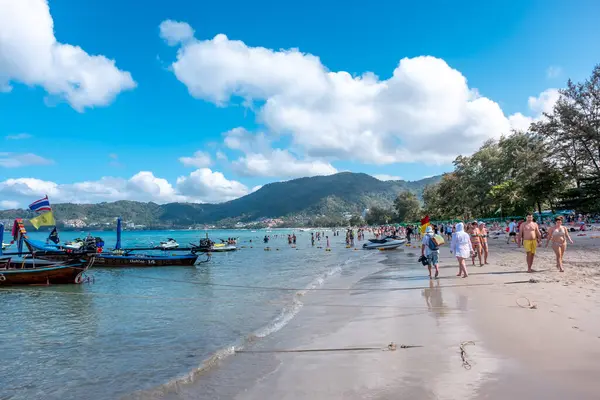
93, 247
31, 271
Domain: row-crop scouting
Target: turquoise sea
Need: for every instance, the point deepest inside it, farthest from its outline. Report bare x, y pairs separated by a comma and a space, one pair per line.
133, 331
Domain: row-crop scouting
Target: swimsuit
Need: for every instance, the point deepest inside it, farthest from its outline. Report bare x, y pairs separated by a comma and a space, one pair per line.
475, 241
562, 236
530, 245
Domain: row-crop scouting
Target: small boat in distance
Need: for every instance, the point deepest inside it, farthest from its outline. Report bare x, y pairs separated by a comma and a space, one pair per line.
5, 246
385, 243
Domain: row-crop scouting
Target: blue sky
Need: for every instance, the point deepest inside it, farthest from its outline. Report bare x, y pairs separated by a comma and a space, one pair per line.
153, 106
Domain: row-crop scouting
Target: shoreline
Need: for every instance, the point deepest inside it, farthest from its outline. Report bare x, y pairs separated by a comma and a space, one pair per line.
549, 351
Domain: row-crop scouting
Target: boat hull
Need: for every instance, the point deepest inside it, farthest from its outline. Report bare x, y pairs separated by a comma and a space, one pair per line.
41, 272
118, 261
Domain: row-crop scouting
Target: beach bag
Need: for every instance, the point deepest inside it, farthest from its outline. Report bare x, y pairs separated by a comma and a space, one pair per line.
433, 244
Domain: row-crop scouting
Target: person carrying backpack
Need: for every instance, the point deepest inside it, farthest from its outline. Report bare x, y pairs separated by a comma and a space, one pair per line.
431, 250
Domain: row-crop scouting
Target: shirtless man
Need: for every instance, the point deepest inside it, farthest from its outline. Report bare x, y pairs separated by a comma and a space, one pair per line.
529, 236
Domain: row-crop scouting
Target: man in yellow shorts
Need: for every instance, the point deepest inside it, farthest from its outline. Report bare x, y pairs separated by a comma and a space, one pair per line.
530, 236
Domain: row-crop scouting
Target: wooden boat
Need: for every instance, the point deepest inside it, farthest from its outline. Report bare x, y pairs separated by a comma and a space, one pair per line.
116, 258
32, 271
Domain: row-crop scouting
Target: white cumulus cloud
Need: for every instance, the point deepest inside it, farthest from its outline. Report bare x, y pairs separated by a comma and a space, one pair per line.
544, 103
200, 159
201, 186
209, 186
30, 54
260, 159
15, 160
424, 107
8, 205
174, 32
385, 177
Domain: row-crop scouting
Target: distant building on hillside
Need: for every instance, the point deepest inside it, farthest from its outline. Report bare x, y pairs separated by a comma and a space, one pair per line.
75, 223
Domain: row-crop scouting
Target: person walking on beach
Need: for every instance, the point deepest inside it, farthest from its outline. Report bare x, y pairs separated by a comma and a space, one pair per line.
530, 237
473, 232
559, 235
431, 250
462, 248
449, 232
484, 234
512, 231
409, 232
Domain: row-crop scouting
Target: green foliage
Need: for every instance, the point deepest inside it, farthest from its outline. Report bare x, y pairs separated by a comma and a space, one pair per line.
356, 220
408, 207
379, 216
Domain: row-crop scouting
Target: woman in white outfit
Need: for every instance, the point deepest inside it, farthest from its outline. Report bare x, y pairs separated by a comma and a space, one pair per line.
461, 247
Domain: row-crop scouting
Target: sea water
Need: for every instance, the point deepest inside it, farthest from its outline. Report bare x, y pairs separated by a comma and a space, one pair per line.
130, 330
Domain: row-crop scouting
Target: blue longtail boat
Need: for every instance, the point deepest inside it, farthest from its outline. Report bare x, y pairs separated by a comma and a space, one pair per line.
118, 257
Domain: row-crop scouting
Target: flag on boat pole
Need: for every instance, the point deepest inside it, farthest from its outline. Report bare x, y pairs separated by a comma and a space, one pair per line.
46, 219
41, 205
53, 237
424, 224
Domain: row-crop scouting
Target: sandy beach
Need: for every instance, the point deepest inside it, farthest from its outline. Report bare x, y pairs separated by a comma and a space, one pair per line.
550, 351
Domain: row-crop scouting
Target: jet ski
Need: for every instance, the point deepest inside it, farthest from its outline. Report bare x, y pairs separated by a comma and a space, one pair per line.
385, 243
170, 244
74, 245
222, 247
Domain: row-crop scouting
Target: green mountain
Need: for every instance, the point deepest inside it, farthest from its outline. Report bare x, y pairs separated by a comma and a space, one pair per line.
297, 200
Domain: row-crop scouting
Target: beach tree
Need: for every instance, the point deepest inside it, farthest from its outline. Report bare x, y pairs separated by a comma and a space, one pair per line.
407, 206
379, 216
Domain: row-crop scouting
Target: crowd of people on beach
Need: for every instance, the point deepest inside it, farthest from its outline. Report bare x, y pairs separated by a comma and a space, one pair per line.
470, 240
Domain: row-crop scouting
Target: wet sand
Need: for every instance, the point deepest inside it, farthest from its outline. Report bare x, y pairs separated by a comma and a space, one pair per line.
549, 352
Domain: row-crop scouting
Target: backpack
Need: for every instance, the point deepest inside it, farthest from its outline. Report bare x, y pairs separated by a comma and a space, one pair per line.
433, 244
